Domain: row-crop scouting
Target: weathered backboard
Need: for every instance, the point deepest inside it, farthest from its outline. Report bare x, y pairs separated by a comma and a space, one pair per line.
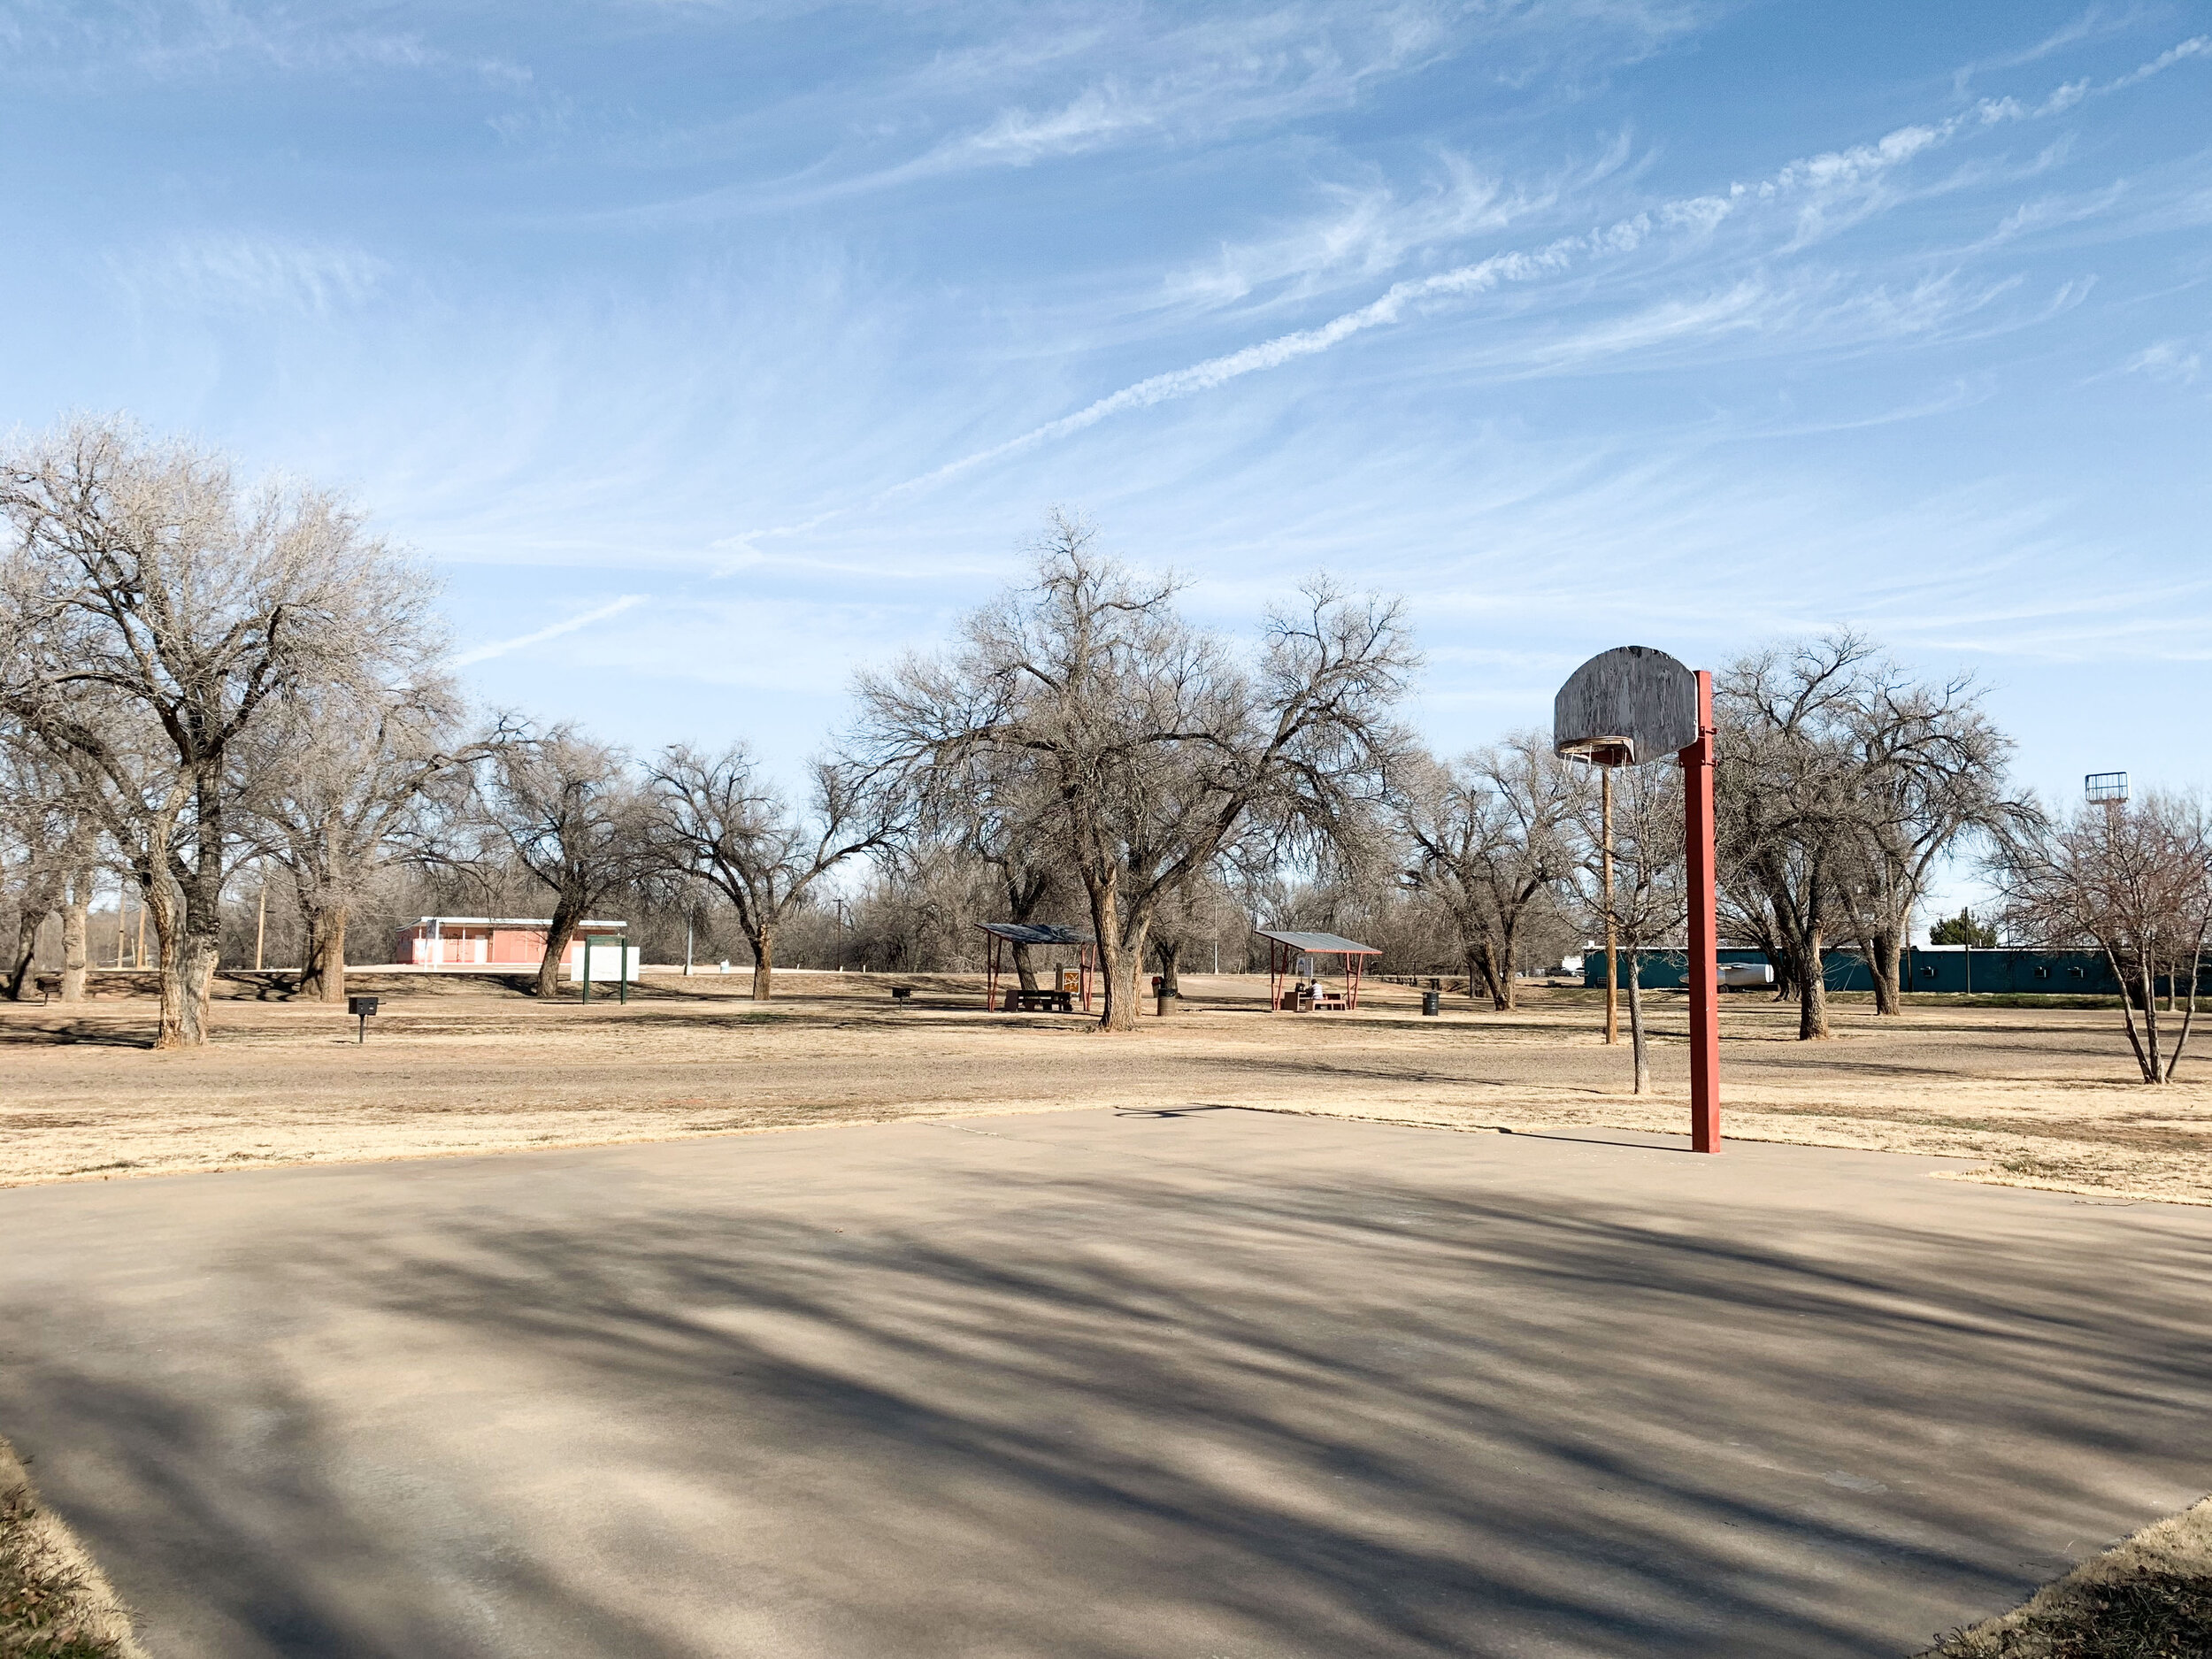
1625, 707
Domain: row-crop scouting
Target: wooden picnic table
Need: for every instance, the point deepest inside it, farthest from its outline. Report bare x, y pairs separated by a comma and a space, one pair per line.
1031, 1002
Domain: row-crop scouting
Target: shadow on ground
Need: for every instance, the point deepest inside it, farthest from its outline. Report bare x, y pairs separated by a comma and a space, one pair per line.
1110, 1411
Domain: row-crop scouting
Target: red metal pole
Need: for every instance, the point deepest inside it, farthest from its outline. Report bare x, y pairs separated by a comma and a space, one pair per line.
1697, 820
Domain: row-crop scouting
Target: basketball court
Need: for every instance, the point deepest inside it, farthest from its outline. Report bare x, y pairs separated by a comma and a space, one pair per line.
1192, 1381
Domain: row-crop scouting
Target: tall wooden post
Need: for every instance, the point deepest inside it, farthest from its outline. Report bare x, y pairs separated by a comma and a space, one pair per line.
1697, 819
260, 924
1612, 929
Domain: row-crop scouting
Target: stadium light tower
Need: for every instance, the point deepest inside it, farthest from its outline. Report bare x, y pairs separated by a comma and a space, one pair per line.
2107, 789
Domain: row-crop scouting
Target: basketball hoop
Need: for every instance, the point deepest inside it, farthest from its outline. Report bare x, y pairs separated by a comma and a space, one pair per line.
1599, 751
1629, 707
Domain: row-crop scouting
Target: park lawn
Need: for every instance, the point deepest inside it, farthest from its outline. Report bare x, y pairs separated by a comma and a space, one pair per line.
2027, 1096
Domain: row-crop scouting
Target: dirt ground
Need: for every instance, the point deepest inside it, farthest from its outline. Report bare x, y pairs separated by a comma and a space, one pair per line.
2040, 1098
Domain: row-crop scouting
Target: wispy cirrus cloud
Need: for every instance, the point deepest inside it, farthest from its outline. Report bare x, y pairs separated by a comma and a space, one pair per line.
250, 272
500, 648
185, 39
1177, 82
2177, 362
1815, 185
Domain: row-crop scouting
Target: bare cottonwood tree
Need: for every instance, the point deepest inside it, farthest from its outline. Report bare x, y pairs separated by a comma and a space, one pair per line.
1928, 769
2135, 884
1787, 809
1649, 909
720, 820
1153, 742
345, 781
152, 608
1487, 836
994, 810
573, 815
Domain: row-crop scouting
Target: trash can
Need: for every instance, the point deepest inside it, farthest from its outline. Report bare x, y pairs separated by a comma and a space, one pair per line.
1431, 1002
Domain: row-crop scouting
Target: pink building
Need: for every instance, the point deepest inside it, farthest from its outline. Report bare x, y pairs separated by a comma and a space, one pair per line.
495, 941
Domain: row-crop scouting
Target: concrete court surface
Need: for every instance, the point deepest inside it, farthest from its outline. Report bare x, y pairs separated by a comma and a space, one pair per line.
1202, 1382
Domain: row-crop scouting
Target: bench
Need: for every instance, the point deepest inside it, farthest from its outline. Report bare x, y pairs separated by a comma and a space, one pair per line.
1033, 1001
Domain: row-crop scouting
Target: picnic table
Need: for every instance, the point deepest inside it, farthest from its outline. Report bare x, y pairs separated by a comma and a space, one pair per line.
1030, 1001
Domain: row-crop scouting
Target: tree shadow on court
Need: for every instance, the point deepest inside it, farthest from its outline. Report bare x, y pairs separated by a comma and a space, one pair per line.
1144, 1411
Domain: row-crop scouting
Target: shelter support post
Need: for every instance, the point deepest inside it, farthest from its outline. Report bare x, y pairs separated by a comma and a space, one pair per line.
1697, 819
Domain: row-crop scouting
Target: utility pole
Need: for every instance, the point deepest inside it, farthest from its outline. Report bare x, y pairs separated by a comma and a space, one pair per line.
1612, 932
261, 922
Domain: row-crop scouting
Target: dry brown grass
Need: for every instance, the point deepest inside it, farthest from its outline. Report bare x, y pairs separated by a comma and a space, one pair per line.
2149, 1597
54, 1603
2037, 1097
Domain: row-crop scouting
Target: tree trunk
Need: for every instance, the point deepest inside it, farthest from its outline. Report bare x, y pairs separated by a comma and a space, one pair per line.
1117, 966
2152, 1042
325, 979
1025, 967
1501, 988
1812, 980
189, 944
76, 919
1887, 947
1474, 974
1636, 1041
29, 920
1504, 990
763, 944
1170, 952
567, 911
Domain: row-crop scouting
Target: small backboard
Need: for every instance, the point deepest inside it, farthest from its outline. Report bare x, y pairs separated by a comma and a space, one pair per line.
1625, 707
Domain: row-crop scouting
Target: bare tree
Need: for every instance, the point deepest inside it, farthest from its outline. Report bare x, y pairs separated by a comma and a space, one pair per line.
1787, 808
570, 811
723, 822
345, 773
1486, 835
1929, 768
151, 608
992, 808
1151, 740
2135, 884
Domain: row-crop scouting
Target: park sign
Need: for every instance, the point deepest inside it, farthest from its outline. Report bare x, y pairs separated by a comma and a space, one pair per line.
1629, 707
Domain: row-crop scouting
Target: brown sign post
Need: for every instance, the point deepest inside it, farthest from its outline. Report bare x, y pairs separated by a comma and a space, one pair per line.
1629, 707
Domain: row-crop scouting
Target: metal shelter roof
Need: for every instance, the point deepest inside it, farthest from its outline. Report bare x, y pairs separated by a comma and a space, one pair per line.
1036, 934
1320, 944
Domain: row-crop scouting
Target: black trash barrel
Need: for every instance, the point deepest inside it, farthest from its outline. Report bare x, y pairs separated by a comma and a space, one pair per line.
1432, 1002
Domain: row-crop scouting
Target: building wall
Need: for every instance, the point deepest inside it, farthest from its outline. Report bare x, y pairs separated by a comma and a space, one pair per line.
1956, 970
460, 946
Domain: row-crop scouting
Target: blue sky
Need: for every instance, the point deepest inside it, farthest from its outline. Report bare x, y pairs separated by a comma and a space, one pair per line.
716, 349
